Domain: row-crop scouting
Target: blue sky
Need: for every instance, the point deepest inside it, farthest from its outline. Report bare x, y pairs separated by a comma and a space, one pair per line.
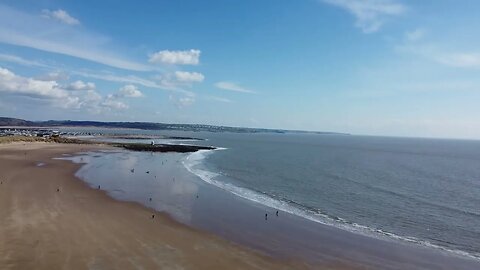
378, 67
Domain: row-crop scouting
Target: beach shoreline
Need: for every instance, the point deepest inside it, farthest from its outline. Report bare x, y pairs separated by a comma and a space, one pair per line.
196, 202
49, 219
83, 226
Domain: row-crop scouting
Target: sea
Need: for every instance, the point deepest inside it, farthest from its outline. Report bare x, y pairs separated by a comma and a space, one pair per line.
419, 191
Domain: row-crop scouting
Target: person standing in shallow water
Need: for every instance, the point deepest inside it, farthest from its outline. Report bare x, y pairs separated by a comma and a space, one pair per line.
266, 216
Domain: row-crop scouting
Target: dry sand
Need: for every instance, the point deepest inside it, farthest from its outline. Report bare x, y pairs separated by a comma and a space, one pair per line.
82, 228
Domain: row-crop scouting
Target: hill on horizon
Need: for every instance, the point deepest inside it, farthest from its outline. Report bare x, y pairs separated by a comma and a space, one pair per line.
16, 122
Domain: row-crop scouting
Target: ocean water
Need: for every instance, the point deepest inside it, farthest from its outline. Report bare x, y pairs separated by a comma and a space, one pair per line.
425, 191
420, 191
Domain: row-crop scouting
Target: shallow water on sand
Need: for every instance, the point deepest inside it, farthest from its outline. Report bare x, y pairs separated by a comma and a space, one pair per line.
169, 188
156, 180
418, 191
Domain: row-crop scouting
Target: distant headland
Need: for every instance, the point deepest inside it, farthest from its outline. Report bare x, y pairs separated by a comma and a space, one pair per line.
15, 122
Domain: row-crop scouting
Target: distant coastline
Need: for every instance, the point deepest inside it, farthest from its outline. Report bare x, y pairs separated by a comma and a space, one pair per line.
21, 123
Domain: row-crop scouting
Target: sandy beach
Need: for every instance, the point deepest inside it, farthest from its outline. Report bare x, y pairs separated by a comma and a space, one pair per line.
51, 219
78, 227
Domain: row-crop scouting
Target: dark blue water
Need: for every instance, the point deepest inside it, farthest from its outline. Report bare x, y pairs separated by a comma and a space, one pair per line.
425, 191
418, 190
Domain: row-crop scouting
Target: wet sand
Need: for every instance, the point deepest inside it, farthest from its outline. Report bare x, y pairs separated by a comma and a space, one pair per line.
78, 227
192, 201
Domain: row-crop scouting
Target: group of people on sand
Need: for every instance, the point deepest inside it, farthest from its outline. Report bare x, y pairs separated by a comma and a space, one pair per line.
150, 199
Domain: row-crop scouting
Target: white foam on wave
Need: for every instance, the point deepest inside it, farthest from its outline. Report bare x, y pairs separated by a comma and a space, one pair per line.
193, 163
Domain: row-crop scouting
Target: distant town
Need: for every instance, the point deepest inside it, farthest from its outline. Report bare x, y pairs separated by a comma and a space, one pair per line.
49, 126
41, 132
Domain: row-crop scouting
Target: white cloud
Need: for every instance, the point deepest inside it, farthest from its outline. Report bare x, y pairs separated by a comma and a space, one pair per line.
230, 86
369, 14
90, 100
179, 80
50, 91
81, 86
447, 57
186, 101
185, 76
164, 82
18, 85
130, 91
23, 29
91, 97
218, 99
112, 103
464, 59
53, 76
19, 60
182, 102
415, 35
54, 94
60, 15
190, 57
117, 78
